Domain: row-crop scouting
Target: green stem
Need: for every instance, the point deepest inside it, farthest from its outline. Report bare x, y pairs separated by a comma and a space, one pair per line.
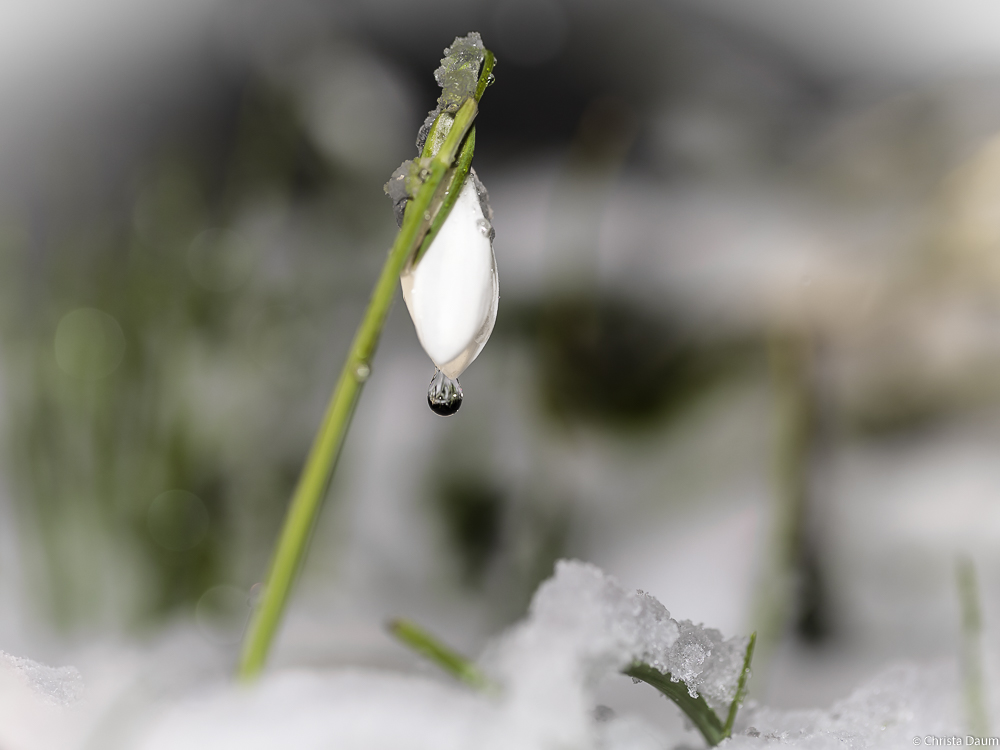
431, 648
307, 499
972, 657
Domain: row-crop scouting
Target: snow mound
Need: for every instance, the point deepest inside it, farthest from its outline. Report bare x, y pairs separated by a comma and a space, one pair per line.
583, 626
313, 711
59, 686
900, 705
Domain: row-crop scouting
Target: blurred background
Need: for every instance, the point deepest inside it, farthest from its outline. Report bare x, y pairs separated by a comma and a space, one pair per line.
747, 354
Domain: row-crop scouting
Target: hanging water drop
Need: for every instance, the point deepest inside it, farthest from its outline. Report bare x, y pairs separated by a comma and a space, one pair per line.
444, 394
490, 79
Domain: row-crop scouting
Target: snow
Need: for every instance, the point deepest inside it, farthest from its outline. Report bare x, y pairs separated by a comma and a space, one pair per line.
33, 701
311, 711
582, 627
901, 703
55, 685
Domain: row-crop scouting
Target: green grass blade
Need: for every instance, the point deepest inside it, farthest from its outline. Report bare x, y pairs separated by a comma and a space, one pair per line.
973, 683
697, 709
431, 648
741, 687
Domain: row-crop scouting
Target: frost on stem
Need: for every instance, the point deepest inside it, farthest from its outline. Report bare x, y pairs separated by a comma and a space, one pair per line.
457, 77
398, 191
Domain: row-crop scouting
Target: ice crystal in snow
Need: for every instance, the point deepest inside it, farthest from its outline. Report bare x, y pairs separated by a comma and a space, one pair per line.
58, 685
583, 625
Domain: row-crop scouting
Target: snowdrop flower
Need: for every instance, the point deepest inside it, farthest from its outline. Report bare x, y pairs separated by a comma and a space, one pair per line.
452, 292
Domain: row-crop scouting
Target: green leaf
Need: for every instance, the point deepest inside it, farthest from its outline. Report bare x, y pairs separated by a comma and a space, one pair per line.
696, 708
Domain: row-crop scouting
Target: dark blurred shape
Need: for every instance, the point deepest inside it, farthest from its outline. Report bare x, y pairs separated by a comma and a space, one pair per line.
472, 511
614, 362
604, 136
529, 32
112, 455
802, 445
813, 622
177, 520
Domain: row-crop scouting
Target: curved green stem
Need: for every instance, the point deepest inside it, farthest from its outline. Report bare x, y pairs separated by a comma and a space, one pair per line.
696, 709
307, 499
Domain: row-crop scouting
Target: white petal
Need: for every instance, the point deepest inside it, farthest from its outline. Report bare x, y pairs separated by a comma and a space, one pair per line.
453, 292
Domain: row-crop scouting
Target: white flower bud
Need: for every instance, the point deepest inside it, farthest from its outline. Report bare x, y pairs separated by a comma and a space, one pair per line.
452, 293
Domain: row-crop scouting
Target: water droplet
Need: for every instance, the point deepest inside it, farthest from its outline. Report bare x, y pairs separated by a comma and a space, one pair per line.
490, 79
361, 372
444, 395
427, 215
486, 229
